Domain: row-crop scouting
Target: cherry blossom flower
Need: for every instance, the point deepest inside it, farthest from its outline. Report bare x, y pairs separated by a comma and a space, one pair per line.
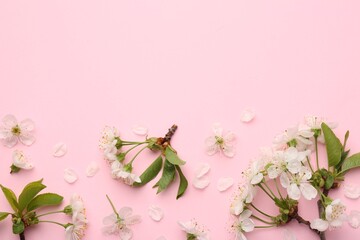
123, 172
20, 161
119, 223
298, 184
245, 195
75, 230
76, 208
220, 142
109, 143
243, 224
194, 231
294, 137
334, 217
254, 173
313, 123
11, 131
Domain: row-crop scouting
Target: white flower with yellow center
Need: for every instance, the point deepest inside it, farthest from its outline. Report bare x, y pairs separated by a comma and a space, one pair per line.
243, 224
20, 161
220, 142
194, 231
11, 131
294, 137
334, 217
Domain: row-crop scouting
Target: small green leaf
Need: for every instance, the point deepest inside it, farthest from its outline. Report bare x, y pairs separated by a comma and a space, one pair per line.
45, 199
280, 203
183, 183
29, 192
3, 215
11, 198
18, 227
151, 172
329, 182
333, 145
351, 162
171, 156
168, 175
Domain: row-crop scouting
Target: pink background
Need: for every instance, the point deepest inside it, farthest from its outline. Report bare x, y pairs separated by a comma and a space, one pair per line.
76, 66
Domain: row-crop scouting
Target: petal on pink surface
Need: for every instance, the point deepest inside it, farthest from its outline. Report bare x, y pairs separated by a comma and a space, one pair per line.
70, 176
92, 169
351, 191
288, 235
59, 149
140, 130
201, 183
224, 183
202, 170
247, 115
155, 213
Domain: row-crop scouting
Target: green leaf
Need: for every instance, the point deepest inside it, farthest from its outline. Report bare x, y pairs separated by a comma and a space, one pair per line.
11, 198
351, 162
329, 182
183, 183
151, 172
171, 156
333, 146
18, 227
45, 199
29, 192
3, 215
168, 175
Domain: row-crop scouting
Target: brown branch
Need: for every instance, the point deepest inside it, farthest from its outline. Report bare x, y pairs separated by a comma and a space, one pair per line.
166, 140
22, 236
298, 218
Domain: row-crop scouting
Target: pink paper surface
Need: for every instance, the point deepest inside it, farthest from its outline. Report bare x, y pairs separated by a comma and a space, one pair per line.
76, 66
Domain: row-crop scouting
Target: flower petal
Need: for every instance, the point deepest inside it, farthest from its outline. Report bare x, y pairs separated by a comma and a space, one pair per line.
319, 224
125, 234
248, 225
9, 121
70, 175
229, 151
131, 220
26, 138
352, 191
92, 169
155, 213
201, 183
247, 115
27, 125
202, 170
224, 183
288, 235
308, 191
59, 149
354, 219
140, 130
294, 191
125, 212
161, 238
217, 129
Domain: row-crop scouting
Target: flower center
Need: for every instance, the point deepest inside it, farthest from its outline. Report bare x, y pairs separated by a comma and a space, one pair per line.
337, 211
16, 130
219, 140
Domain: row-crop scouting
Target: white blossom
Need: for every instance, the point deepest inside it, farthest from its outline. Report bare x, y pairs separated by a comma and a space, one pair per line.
294, 136
194, 231
120, 171
220, 142
21, 161
11, 131
243, 224
313, 123
334, 217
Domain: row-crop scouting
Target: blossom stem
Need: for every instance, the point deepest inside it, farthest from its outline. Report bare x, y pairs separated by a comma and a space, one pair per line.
22, 236
317, 153
266, 192
270, 223
61, 211
268, 188
47, 221
266, 226
113, 207
308, 160
277, 188
138, 144
132, 160
265, 214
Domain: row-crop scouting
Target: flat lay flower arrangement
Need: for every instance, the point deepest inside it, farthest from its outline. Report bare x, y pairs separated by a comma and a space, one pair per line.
287, 172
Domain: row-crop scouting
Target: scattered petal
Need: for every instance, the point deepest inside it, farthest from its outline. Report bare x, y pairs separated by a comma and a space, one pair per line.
224, 184
140, 130
155, 213
352, 191
202, 170
354, 219
70, 175
59, 149
247, 115
161, 238
201, 183
92, 169
288, 235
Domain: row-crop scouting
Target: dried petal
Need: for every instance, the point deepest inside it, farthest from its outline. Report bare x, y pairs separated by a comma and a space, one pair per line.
92, 169
352, 191
155, 213
140, 130
59, 149
201, 183
202, 170
247, 115
224, 183
70, 175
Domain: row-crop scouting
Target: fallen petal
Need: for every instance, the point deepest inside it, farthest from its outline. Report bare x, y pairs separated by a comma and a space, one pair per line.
354, 219
161, 238
247, 115
92, 169
140, 130
70, 175
202, 170
351, 191
224, 184
59, 149
288, 235
201, 183
155, 213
